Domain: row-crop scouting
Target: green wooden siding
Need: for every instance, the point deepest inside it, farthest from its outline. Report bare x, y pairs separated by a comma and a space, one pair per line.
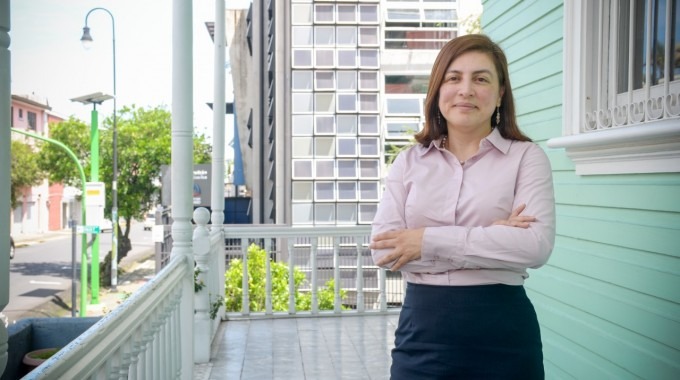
609, 298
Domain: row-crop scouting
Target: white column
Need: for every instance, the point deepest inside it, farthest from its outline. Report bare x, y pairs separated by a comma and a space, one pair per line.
257, 155
182, 168
283, 157
219, 114
5, 142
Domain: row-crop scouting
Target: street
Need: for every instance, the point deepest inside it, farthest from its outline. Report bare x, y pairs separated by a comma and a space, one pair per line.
41, 271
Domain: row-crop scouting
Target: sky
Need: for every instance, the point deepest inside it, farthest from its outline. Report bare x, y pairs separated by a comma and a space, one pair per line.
49, 61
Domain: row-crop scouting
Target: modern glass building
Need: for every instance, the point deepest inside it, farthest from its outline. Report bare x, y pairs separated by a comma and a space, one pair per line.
328, 91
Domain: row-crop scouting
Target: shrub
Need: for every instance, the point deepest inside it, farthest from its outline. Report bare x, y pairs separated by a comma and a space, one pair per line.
279, 273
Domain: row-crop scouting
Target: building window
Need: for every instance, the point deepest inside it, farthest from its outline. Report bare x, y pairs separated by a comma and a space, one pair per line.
369, 168
347, 59
347, 102
303, 125
621, 112
347, 169
346, 213
302, 58
302, 80
324, 80
347, 124
324, 36
302, 14
302, 36
302, 147
32, 120
302, 191
325, 124
347, 191
347, 13
324, 147
324, 191
347, 81
324, 13
347, 146
324, 102
347, 36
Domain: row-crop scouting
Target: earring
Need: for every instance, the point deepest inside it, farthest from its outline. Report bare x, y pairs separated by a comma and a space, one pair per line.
439, 119
498, 116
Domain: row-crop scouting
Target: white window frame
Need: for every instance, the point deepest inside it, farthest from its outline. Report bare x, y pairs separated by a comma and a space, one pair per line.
650, 146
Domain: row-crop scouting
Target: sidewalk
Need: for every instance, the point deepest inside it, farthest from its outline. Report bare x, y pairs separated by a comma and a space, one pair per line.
134, 270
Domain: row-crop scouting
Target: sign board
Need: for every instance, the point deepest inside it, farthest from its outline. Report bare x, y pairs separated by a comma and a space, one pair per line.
157, 233
87, 229
95, 199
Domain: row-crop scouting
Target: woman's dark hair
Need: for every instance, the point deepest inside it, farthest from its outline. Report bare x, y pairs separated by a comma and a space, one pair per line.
458, 46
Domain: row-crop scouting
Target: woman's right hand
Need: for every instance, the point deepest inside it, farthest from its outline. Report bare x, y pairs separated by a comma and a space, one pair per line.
515, 219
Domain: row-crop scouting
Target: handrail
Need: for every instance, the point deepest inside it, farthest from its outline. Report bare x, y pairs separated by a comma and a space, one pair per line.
140, 337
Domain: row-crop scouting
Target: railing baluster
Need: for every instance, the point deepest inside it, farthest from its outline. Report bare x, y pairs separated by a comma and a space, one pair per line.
360, 274
313, 252
245, 306
337, 301
268, 276
291, 276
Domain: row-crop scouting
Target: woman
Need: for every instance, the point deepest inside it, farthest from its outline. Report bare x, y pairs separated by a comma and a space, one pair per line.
465, 212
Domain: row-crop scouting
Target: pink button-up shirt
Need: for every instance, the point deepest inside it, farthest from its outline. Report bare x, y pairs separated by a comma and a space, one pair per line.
457, 204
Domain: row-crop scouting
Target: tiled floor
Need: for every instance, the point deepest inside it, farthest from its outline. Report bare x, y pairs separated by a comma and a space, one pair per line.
349, 347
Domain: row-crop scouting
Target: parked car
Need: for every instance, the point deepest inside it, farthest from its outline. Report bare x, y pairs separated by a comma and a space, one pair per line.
149, 221
11, 247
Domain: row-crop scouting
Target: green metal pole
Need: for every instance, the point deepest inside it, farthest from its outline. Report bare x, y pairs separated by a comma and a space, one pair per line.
83, 254
94, 177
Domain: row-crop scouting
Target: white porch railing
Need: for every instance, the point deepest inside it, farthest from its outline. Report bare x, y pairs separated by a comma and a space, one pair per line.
140, 339
336, 253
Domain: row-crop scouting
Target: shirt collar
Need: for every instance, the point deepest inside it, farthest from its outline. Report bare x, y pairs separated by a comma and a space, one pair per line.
494, 138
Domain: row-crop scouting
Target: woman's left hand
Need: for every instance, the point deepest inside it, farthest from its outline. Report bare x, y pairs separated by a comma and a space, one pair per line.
405, 245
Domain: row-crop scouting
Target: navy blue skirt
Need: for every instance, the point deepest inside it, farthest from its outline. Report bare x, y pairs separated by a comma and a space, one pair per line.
467, 332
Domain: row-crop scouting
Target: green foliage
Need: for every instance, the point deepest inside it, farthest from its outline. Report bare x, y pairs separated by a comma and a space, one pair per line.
24, 170
257, 258
143, 145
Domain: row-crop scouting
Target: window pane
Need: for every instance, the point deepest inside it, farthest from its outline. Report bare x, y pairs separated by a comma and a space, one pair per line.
368, 80
403, 106
302, 213
367, 212
325, 124
368, 36
347, 36
368, 191
368, 146
440, 14
368, 125
302, 147
302, 125
347, 169
347, 102
324, 213
347, 13
325, 168
302, 168
346, 213
323, 13
368, 102
324, 102
347, 58
324, 191
324, 36
325, 80
369, 168
302, 13
347, 191
406, 84
302, 36
402, 128
302, 80
368, 58
368, 13
347, 124
403, 14
347, 146
324, 58
302, 102
302, 191
347, 80
302, 58
324, 146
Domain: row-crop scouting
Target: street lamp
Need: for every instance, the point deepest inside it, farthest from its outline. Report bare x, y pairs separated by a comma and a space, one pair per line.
86, 39
94, 99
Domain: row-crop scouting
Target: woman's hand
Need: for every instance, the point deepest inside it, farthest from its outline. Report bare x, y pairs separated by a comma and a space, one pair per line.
515, 219
405, 245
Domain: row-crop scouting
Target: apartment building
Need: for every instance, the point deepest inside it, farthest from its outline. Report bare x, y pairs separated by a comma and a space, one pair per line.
326, 92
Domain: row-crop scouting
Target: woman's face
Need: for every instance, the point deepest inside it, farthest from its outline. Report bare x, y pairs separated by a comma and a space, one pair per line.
470, 92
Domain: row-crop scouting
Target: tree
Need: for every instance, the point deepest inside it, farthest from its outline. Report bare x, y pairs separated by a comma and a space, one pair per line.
24, 170
143, 142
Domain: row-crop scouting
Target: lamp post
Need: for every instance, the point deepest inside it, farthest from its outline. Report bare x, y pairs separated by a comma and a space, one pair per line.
94, 99
86, 39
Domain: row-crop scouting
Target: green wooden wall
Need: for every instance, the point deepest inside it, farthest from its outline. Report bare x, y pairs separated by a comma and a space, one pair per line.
609, 298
